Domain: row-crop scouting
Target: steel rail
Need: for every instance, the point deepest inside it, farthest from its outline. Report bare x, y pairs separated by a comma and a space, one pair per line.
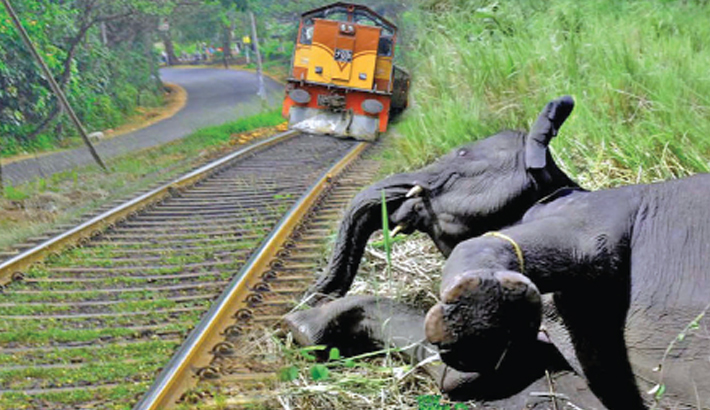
13, 268
182, 370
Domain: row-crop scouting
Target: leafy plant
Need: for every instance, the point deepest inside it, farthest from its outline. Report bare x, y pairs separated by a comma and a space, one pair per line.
15, 194
317, 371
100, 75
303, 358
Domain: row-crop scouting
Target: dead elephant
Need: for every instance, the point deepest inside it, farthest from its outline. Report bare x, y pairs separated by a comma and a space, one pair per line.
627, 267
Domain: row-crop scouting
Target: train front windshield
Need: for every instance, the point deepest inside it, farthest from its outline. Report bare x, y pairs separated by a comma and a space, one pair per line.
362, 17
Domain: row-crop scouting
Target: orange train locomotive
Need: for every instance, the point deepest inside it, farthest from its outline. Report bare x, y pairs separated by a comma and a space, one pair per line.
343, 80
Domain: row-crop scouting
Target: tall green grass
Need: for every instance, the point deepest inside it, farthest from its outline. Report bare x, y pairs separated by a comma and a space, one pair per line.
639, 72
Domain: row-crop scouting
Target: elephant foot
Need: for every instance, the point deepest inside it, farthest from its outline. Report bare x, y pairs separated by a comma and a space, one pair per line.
302, 333
483, 313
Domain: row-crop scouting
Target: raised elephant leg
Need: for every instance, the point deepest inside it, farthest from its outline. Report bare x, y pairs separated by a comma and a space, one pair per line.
360, 324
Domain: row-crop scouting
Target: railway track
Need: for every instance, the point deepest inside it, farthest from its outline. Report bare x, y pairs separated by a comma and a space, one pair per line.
231, 361
91, 327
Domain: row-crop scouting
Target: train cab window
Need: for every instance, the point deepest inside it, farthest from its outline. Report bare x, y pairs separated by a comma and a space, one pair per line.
307, 32
365, 20
384, 48
337, 15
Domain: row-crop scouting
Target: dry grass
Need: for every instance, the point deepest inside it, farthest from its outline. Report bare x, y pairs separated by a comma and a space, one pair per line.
416, 264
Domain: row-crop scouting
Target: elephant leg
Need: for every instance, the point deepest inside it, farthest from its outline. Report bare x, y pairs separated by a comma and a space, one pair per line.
556, 332
579, 254
599, 342
360, 324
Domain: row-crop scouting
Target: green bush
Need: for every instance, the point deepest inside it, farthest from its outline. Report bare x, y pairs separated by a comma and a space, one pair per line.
151, 99
126, 98
275, 49
104, 84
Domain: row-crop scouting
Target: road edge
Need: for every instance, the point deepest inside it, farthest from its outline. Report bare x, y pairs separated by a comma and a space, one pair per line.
174, 107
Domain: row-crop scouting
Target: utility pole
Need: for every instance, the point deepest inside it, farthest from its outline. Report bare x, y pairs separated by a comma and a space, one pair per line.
52, 82
259, 71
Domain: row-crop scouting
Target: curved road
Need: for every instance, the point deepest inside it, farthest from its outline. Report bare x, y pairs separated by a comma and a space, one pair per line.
215, 96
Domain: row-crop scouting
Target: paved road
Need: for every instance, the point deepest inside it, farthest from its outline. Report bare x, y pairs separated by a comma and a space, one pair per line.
214, 97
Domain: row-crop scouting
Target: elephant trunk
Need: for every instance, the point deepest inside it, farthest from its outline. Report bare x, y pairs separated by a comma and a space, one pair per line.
363, 217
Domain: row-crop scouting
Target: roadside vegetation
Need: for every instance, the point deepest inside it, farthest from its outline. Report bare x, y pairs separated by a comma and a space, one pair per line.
106, 55
637, 71
100, 57
35, 207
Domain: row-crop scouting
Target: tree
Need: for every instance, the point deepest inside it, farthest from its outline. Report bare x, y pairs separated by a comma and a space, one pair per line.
69, 37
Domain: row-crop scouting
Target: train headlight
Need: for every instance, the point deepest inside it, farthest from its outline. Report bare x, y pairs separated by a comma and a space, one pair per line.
347, 29
300, 96
372, 106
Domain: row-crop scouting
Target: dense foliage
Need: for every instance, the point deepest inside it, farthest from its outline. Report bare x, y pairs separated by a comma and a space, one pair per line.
638, 71
100, 52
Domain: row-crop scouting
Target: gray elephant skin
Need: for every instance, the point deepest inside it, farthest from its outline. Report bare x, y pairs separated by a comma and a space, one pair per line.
627, 267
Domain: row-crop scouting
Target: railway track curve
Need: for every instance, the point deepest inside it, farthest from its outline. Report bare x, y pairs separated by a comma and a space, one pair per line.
91, 326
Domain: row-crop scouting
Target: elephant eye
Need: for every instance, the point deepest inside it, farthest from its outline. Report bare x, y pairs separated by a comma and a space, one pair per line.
462, 152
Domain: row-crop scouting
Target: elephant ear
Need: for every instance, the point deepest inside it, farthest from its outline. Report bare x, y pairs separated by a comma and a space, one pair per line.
544, 129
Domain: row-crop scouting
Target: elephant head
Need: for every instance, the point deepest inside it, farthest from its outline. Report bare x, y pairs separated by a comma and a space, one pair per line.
475, 188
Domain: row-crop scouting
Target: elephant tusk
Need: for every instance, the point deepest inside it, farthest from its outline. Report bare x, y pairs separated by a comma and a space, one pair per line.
415, 191
397, 229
